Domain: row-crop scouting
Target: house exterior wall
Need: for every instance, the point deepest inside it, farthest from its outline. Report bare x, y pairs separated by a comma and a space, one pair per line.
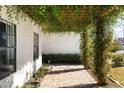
25, 66
60, 43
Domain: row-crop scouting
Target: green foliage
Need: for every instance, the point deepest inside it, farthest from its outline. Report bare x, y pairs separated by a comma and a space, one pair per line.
35, 80
62, 18
61, 58
115, 46
77, 18
102, 49
86, 48
41, 71
118, 60
72, 18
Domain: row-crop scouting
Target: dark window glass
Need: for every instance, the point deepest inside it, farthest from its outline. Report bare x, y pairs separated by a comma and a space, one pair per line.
7, 49
2, 27
3, 34
3, 39
3, 56
36, 46
3, 63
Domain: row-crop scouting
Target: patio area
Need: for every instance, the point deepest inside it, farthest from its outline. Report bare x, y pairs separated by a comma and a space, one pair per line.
64, 76
95, 45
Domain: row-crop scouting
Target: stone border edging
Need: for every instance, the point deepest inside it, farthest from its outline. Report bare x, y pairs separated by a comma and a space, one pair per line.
115, 81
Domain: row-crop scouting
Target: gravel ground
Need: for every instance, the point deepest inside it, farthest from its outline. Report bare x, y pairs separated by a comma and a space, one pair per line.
68, 76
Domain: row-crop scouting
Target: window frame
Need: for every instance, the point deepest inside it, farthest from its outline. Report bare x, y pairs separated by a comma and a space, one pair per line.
10, 50
35, 46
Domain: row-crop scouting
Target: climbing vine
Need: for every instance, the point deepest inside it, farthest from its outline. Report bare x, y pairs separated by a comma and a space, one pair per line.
102, 48
72, 19
86, 48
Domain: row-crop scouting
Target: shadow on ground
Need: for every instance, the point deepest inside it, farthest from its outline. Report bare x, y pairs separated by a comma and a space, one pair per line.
64, 71
93, 85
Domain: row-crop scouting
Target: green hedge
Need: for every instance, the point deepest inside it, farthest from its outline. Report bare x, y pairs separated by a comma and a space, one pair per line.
118, 60
61, 58
115, 46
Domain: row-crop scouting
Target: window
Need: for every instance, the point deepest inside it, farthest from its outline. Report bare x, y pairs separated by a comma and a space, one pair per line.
7, 48
36, 46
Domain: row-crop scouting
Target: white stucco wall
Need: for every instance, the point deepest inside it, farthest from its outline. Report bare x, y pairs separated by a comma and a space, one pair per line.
24, 52
62, 43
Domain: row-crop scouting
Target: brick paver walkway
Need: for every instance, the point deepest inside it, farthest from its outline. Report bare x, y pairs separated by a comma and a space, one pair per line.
69, 76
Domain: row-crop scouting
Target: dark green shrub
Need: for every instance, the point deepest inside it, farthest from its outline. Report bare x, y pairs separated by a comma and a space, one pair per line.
118, 60
40, 73
61, 58
115, 46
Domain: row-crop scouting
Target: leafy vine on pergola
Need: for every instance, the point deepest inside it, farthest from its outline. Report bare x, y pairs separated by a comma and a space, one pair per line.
66, 18
79, 19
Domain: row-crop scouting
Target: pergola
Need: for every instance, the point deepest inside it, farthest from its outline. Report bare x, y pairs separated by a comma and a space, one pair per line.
84, 19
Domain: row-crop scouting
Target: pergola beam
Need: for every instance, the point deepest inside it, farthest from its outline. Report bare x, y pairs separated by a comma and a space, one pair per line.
107, 11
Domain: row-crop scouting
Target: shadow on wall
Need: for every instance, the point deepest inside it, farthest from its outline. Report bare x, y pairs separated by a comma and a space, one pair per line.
22, 75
